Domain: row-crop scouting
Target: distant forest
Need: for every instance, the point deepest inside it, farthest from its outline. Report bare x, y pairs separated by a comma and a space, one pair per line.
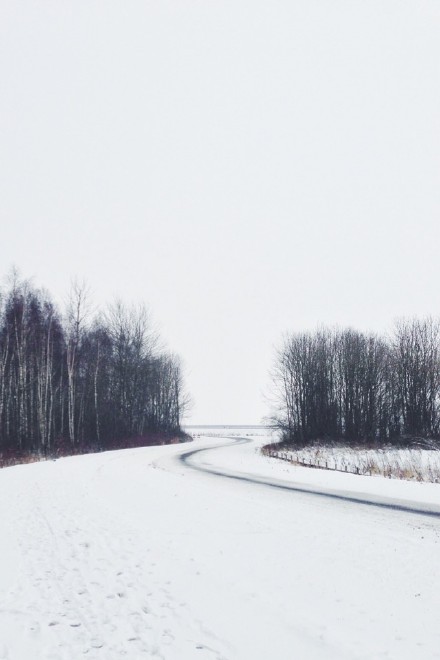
348, 386
81, 380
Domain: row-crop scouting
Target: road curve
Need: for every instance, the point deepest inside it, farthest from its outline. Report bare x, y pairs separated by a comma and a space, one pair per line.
383, 502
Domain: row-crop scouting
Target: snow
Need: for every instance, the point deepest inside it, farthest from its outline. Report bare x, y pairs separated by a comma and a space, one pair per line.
135, 554
398, 463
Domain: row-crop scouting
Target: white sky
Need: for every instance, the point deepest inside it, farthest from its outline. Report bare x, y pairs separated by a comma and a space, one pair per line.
244, 167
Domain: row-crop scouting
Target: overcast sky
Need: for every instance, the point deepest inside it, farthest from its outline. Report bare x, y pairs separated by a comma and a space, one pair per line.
244, 167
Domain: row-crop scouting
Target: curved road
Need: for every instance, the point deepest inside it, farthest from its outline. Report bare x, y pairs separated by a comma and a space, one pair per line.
187, 459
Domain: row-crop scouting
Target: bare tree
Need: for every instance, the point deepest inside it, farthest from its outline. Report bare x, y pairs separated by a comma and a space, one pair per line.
78, 309
86, 379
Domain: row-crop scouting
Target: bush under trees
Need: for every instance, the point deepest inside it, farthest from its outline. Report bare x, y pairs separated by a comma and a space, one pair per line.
346, 385
81, 381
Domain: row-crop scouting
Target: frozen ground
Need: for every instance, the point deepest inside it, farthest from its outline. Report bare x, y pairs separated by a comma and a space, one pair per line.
136, 554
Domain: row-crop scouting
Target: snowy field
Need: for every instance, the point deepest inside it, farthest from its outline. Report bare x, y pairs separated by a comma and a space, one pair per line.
136, 554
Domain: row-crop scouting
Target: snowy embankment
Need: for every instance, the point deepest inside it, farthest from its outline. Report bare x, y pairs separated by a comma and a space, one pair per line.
136, 554
411, 464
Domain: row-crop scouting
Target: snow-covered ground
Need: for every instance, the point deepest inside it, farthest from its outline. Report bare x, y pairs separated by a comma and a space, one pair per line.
412, 464
136, 554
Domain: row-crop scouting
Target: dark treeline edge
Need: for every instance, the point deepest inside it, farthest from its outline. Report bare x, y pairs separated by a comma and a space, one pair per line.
347, 386
82, 381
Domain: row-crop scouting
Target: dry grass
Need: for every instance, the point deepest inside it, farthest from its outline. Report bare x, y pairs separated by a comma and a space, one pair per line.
412, 464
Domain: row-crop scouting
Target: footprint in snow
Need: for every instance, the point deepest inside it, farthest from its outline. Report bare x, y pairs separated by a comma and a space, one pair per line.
203, 647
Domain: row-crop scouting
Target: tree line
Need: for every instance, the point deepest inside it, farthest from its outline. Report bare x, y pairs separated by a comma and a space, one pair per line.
81, 379
360, 388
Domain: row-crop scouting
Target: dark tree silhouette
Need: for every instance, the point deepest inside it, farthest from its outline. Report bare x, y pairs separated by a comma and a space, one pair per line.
82, 381
360, 388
